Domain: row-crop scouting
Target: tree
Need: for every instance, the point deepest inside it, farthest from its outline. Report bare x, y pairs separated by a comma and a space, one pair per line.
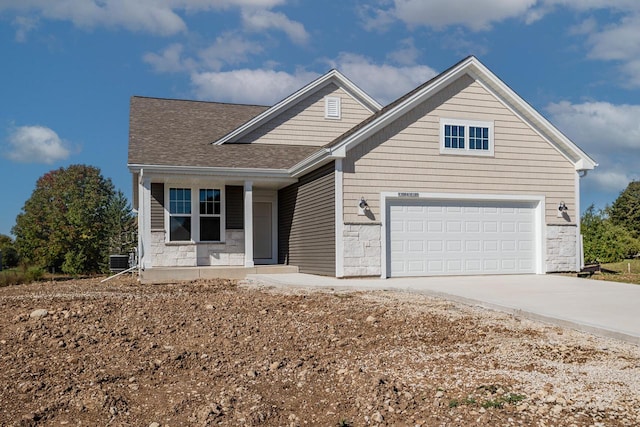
625, 211
604, 241
9, 253
65, 223
122, 225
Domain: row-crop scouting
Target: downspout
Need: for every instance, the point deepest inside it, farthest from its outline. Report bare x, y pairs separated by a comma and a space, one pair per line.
142, 211
579, 247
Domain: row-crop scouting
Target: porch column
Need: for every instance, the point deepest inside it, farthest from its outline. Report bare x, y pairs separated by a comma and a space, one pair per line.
248, 224
144, 222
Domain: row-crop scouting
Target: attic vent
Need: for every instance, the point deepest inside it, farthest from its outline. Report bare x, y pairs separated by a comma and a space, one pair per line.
331, 107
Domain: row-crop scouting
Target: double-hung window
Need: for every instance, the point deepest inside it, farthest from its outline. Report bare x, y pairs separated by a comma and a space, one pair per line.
179, 214
466, 137
200, 223
209, 214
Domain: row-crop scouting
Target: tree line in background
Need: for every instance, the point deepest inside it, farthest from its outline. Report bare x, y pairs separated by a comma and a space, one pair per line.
72, 222
613, 234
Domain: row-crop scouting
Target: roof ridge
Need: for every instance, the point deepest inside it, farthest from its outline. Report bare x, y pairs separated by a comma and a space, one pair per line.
197, 101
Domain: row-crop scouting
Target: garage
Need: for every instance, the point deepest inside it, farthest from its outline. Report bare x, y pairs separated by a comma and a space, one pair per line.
460, 237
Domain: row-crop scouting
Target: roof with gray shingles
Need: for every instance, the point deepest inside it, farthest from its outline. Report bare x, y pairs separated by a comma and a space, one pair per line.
173, 132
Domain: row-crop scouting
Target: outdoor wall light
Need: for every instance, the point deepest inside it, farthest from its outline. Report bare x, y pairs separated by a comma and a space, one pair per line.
362, 206
562, 208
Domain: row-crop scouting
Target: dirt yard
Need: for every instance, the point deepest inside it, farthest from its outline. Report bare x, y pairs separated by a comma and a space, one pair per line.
218, 353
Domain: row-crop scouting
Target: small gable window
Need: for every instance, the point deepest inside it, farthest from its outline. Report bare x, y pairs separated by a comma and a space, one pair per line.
332, 107
466, 137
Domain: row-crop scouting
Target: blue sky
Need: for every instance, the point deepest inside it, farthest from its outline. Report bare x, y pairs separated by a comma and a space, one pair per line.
69, 68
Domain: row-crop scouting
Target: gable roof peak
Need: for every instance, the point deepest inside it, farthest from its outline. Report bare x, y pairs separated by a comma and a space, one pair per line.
473, 67
331, 76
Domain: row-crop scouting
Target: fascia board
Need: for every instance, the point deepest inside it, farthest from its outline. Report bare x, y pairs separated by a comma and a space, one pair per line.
528, 111
361, 96
370, 103
211, 171
393, 114
310, 162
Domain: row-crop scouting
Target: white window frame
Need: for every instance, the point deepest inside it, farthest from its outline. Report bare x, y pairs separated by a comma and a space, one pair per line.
169, 215
338, 104
466, 151
195, 212
212, 215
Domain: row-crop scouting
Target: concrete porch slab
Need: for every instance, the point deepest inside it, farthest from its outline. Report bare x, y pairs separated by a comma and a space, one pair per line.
158, 275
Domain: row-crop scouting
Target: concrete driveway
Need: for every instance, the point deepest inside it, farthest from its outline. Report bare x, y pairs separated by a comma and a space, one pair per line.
604, 308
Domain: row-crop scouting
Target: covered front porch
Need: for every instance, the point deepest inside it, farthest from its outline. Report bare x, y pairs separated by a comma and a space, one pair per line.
194, 226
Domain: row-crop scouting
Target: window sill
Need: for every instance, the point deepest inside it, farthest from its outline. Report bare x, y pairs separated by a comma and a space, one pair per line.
457, 152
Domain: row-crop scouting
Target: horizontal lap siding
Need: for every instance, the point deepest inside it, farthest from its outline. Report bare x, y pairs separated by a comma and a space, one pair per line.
304, 123
405, 157
306, 223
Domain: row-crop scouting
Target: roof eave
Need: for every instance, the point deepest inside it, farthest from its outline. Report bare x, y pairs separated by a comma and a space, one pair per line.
210, 171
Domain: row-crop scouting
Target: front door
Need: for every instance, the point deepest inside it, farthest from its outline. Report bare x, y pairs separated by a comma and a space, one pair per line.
263, 251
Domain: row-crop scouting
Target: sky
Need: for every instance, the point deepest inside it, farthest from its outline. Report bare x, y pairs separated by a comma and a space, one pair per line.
69, 68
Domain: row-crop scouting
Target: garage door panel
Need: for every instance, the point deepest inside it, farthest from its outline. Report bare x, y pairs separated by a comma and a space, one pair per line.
460, 237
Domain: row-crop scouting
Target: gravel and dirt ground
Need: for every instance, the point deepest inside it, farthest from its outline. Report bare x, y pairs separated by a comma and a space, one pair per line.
218, 353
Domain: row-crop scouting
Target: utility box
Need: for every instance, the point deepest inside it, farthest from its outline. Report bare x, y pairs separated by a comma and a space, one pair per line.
118, 263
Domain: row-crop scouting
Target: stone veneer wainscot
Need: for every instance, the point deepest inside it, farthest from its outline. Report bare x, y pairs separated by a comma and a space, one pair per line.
561, 248
361, 249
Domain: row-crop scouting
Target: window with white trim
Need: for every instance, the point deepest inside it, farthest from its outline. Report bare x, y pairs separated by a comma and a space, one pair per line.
332, 107
179, 214
201, 223
467, 137
210, 214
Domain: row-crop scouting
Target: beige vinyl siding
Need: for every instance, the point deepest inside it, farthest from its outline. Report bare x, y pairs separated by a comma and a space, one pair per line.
157, 206
306, 223
405, 157
305, 124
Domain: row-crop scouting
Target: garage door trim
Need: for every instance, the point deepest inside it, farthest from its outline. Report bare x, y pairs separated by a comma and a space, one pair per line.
539, 220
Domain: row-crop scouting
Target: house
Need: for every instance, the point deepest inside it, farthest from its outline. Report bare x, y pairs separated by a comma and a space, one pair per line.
460, 176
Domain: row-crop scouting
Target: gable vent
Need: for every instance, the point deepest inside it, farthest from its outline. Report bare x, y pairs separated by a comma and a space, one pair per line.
331, 107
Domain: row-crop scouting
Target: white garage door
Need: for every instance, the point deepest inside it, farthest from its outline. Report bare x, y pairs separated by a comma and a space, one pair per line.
454, 237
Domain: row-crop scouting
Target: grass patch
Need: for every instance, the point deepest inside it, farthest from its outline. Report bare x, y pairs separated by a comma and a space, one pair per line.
18, 276
622, 270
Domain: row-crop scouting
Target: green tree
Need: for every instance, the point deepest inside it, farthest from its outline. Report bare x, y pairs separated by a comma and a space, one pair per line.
603, 240
65, 223
625, 211
9, 253
122, 225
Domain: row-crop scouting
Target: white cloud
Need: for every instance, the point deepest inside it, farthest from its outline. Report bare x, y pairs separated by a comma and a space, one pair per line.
229, 49
152, 16
383, 82
263, 87
36, 144
610, 180
170, 60
617, 42
609, 133
24, 25
407, 54
476, 15
260, 20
